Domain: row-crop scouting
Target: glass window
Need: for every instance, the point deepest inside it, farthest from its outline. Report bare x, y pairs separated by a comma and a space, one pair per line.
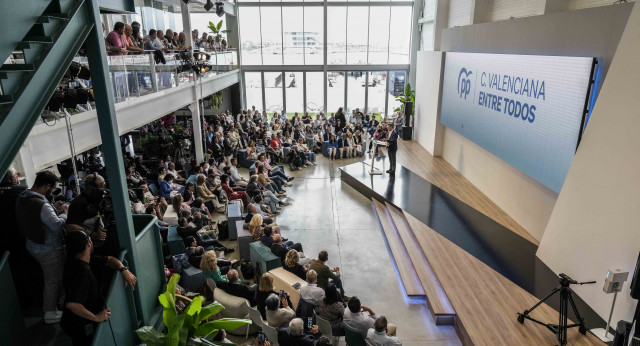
336, 35
376, 93
313, 35
273, 92
271, 24
294, 89
315, 92
253, 89
357, 32
335, 91
250, 34
400, 33
293, 31
356, 87
397, 80
379, 35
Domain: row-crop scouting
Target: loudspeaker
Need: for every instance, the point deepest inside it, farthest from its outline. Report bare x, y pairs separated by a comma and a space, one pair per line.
408, 112
635, 282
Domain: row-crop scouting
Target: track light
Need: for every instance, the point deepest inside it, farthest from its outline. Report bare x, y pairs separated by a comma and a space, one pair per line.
208, 6
219, 8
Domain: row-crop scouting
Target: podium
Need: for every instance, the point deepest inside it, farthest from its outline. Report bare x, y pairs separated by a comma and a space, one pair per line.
374, 170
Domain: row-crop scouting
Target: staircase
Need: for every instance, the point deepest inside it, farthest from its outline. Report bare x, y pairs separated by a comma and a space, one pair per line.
51, 41
416, 274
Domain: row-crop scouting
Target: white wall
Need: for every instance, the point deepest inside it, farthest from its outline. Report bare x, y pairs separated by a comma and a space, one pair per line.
428, 84
459, 13
595, 225
505, 9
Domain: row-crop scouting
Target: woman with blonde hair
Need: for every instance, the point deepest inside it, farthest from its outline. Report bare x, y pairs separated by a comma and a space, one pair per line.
291, 264
264, 290
255, 227
215, 268
178, 205
203, 192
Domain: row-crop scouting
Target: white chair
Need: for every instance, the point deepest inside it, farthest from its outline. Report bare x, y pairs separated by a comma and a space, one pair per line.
256, 318
271, 333
324, 327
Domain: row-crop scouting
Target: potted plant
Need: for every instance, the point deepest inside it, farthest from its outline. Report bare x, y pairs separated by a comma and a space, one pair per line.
409, 95
190, 326
216, 30
149, 145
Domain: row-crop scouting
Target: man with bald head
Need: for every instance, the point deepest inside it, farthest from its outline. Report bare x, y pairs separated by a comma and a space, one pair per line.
237, 289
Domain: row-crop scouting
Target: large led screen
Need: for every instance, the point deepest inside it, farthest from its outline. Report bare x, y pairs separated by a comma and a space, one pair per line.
525, 109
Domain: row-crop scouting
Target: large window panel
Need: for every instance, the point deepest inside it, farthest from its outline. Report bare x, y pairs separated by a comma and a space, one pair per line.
337, 35
271, 25
377, 93
397, 80
253, 89
313, 35
400, 33
293, 32
315, 92
335, 91
356, 86
273, 92
357, 34
250, 35
294, 88
379, 35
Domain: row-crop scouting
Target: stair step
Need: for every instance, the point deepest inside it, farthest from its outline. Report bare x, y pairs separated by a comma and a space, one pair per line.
16, 68
436, 297
405, 268
38, 39
58, 16
6, 99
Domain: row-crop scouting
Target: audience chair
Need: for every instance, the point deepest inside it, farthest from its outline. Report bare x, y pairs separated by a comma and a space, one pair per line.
256, 318
353, 338
271, 333
325, 328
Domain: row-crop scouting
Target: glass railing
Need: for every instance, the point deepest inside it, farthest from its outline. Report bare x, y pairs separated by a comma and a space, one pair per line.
134, 76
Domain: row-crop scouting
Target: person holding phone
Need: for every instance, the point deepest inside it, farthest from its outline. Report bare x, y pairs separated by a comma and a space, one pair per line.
295, 335
279, 317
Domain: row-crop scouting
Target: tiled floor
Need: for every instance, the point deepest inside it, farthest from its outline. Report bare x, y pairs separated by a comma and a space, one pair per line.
327, 214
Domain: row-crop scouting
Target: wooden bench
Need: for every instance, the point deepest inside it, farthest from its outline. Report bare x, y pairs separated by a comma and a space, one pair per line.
263, 256
284, 280
244, 239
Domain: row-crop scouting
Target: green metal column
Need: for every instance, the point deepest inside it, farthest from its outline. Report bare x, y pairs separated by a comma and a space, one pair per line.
96, 52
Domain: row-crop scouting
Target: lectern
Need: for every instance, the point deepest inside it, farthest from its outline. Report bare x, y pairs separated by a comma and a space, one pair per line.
374, 170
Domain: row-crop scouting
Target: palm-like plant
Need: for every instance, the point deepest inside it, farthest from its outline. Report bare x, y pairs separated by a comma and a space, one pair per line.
409, 95
216, 30
190, 324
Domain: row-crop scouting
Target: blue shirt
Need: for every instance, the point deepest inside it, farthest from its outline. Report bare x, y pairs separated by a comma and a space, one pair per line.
165, 190
52, 223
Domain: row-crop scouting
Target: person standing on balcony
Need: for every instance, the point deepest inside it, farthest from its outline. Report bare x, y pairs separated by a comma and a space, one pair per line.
129, 38
116, 42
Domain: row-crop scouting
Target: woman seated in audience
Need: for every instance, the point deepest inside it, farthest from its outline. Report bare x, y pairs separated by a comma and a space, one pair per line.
357, 143
276, 145
287, 141
158, 203
331, 308
207, 196
279, 317
309, 137
310, 156
267, 183
189, 193
333, 147
252, 153
233, 195
179, 206
255, 227
215, 268
264, 290
162, 172
166, 190
291, 264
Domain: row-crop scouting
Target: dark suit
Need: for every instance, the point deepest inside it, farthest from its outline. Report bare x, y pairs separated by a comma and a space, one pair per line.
392, 149
282, 249
286, 339
241, 290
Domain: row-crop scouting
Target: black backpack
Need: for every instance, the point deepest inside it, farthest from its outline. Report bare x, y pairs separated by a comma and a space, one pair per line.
223, 230
247, 270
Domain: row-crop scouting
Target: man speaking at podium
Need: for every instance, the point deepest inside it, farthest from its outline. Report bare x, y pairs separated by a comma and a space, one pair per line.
392, 147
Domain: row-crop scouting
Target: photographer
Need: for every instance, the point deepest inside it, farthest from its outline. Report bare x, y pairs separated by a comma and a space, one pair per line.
87, 206
278, 317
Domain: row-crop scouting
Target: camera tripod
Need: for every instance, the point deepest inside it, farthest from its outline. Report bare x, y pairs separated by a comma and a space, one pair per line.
560, 329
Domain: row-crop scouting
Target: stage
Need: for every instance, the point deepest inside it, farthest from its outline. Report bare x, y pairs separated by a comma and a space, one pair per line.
485, 240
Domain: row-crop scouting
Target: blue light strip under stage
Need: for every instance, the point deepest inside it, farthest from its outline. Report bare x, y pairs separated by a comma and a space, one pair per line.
408, 300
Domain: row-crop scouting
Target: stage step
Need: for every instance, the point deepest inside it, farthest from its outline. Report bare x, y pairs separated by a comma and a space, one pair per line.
437, 299
407, 272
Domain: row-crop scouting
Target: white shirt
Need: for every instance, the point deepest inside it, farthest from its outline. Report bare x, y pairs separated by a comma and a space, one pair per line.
234, 173
381, 338
312, 294
359, 321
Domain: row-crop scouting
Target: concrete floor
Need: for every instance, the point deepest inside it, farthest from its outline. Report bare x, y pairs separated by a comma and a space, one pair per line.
327, 214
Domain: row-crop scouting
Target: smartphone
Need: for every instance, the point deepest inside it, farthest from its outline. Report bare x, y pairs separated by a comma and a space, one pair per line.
309, 323
261, 338
282, 294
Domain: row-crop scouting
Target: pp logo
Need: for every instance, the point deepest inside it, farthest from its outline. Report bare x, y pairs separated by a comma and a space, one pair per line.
464, 83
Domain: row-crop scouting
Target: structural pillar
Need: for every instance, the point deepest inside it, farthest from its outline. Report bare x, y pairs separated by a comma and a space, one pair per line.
196, 121
109, 134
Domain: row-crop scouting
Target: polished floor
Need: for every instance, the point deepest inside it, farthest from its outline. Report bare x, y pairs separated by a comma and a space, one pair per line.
327, 214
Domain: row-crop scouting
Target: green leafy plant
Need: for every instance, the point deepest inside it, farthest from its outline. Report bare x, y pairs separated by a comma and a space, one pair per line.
149, 145
179, 328
409, 95
216, 30
216, 99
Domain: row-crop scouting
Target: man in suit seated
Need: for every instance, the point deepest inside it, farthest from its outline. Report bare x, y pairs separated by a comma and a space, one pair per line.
325, 273
295, 335
281, 248
239, 290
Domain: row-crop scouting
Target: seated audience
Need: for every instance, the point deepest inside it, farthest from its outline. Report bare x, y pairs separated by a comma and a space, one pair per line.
215, 268
280, 248
279, 317
184, 230
325, 273
291, 264
311, 293
355, 319
331, 308
235, 288
294, 335
264, 290
382, 334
